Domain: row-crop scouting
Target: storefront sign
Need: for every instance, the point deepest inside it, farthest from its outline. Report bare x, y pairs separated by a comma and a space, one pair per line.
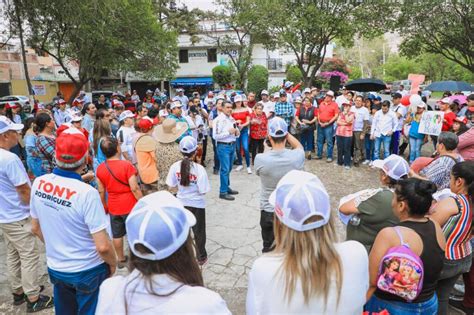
197, 54
39, 89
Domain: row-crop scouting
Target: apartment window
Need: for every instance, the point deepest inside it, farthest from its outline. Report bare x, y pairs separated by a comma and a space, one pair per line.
274, 64
212, 55
183, 56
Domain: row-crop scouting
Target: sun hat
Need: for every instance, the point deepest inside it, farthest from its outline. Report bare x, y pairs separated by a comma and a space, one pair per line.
298, 196
264, 92
330, 93
6, 125
126, 114
160, 222
71, 147
306, 90
238, 98
277, 127
188, 144
170, 130
176, 103
394, 166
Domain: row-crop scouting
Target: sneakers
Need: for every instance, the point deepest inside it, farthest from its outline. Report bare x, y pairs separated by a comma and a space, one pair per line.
329, 160
19, 299
249, 170
347, 167
457, 304
239, 168
230, 191
366, 162
41, 303
227, 197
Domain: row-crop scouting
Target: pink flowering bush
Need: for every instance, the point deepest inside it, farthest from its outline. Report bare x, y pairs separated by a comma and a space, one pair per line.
326, 76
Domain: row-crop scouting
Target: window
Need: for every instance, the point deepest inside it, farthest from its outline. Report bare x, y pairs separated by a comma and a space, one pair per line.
274, 64
212, 55
183, 56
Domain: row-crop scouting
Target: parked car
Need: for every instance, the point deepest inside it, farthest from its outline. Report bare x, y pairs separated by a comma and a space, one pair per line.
24, 101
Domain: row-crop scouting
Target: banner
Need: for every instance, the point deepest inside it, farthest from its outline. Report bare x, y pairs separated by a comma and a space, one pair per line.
416, 80
431, 123
39, 89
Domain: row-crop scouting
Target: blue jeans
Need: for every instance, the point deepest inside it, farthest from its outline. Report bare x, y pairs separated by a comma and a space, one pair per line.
429, 307
369, 148
226, 158
243, 141
325, 134
344, 145
415, 148
77, 292
307, 139
386, 146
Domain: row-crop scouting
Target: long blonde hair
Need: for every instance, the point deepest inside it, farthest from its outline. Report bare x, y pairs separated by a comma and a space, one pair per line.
309, 257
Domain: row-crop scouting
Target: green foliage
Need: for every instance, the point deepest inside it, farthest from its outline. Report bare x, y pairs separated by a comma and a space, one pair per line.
274, 89
293, 74
223, 75
355, 73
335, 64
440, 27
398, 68
115, 35
257, 79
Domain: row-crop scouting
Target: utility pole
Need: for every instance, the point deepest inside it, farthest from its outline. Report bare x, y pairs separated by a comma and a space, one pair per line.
383, 59
360, 57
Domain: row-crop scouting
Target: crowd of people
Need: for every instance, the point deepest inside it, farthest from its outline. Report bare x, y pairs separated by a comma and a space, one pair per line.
84, 176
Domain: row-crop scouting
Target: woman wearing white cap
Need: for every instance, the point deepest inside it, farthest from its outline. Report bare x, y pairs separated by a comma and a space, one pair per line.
308, 272
193, 184
165, 277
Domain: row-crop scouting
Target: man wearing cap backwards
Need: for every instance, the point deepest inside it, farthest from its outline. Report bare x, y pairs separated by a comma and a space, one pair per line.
225, 133
125, 135
69, 218
328, 111
268, 106
22, 252
271, 166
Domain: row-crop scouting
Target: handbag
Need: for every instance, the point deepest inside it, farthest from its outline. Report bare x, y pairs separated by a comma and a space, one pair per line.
113, 175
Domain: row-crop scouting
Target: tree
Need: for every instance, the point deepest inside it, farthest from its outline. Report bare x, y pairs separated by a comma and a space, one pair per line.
223, 75
257, 79
110, 35
440, 27
398, 68
240, 18
307, 27
293, 74
335, 64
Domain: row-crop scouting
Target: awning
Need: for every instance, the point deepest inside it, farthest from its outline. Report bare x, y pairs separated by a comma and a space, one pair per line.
191, 82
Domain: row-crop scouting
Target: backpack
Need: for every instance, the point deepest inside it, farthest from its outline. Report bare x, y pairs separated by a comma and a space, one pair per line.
401, 271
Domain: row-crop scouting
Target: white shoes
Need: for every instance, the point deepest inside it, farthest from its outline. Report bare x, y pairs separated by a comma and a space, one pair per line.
366, 162
249, 170
239, 168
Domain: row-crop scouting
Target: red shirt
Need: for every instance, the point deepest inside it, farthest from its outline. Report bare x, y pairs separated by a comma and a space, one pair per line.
449, 117
242, 116
251, 104
327, 111
260, 130
120, 198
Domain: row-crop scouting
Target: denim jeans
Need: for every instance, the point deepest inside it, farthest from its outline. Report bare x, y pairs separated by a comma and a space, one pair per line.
452, 269
415, 148
226, 154
216, 157
77, 292
386, 146
369, 148
429, 307
307, 139
243, 142
344, 150
325, 134
395, 142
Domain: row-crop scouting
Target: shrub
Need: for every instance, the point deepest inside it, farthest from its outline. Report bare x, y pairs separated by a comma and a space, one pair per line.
257, 79
223, 75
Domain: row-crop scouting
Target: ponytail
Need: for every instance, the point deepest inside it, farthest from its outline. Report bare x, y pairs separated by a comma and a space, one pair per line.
185, 169
465, 170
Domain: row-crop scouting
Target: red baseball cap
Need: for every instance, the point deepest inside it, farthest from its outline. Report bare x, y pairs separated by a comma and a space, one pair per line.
145, 124
12, 105
71, 146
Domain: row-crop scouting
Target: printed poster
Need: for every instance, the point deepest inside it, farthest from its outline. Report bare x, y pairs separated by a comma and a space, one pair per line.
431, 123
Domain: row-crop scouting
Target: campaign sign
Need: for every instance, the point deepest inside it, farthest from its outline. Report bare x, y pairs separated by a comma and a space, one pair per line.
431, 123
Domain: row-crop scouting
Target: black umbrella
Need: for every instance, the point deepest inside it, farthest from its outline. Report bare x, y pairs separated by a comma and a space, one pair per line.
453, 86
366, 85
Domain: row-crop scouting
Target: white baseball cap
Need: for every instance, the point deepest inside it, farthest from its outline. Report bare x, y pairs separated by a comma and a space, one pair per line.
277, 127
421, 105
330, 93
76, 117
179, 90
7, 125
394, 166
126, 114
298, 100
238, 98
160, 222
264, 92
288, 84
176, 103
276, 95
298, 196
445, 100
307, 90
188, 144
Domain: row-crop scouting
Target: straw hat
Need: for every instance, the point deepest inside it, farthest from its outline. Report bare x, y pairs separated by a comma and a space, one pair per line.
170, 130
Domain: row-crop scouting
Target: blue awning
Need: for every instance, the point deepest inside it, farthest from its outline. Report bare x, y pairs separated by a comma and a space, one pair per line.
191, 82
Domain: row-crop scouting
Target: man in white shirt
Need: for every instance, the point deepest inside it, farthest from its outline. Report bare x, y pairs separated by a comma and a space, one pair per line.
182, 98
21, 249
69, 218
401, 112
61, 113
125, 136
402, 91
268, 106
225, 133
383, 126
361, 121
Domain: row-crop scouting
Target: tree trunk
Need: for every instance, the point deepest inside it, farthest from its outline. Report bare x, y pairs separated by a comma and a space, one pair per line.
77, 88
23, 52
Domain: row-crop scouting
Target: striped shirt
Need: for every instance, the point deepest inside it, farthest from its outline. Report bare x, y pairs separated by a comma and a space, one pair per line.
457, 230
46, 146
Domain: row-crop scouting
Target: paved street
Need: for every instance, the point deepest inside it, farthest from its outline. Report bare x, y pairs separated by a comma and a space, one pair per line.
233, 231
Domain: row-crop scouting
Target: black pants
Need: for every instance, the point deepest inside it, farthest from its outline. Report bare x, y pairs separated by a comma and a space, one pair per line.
216, 157
256, 146
266, 223
204, 149
199, 231
344, 150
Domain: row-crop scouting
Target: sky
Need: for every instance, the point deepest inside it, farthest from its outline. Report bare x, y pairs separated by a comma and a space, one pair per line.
201, 4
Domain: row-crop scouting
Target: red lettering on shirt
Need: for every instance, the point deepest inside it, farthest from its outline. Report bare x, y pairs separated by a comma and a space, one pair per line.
56, 190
